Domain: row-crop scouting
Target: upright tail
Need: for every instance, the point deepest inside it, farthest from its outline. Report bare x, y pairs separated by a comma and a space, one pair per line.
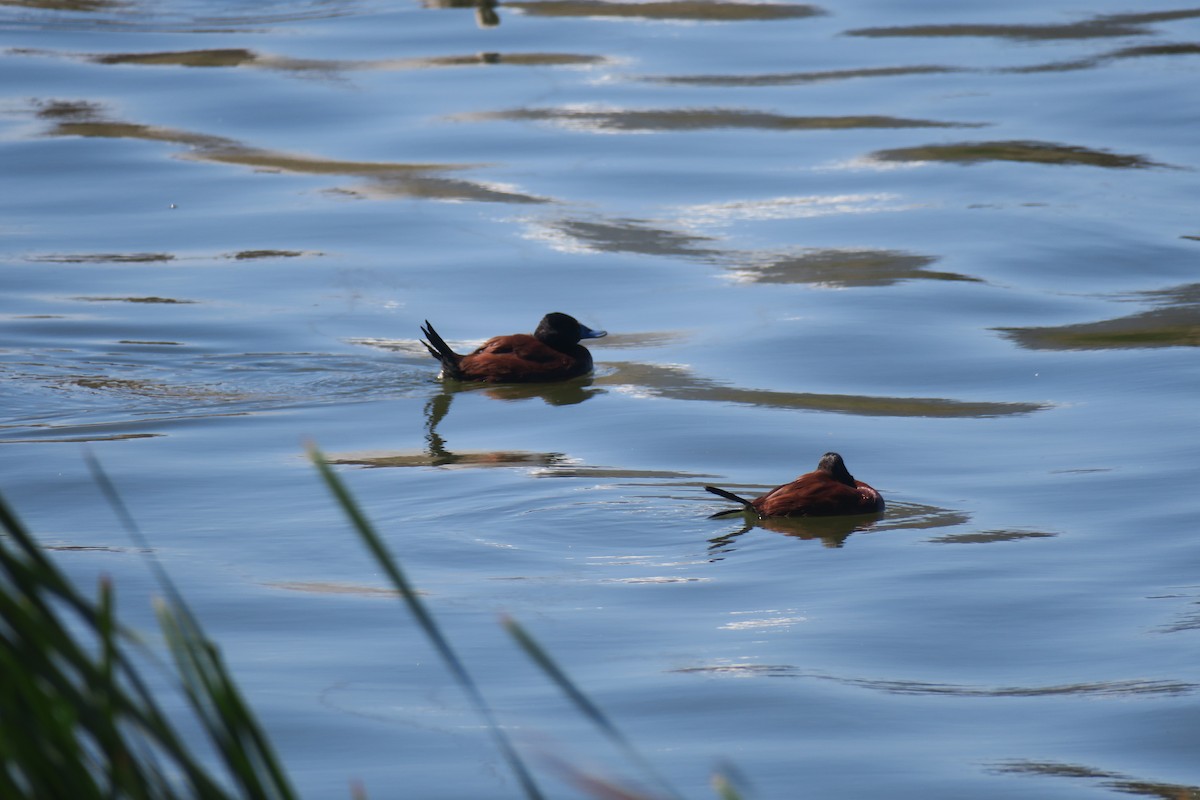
438, 348
748, 506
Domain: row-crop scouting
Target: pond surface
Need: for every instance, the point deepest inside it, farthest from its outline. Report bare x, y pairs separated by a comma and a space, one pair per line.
957, 244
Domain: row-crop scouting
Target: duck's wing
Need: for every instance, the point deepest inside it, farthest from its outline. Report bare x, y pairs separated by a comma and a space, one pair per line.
815, 494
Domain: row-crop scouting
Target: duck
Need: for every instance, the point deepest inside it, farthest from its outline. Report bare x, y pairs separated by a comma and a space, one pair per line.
551, 353
828, 491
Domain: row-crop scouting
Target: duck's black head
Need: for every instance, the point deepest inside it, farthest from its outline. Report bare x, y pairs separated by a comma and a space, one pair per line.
561, 331
833, 464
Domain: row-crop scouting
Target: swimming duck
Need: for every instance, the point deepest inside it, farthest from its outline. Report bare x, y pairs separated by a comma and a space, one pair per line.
829, 490
552, 353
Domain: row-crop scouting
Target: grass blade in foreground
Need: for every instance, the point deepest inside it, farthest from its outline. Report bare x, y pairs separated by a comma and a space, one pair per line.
78, 720
426, 621
214, 697
586, 706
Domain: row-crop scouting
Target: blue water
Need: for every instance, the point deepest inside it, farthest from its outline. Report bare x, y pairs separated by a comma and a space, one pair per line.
957, 245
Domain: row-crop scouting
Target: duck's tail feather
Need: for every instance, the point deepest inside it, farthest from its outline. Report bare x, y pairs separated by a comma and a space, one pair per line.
438, 348
747, 505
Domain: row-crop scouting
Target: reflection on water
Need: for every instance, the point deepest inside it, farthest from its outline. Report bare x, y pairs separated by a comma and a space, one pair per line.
557, 465
744, 200
325, 587
1111, 780
830, 531
1029, 152
694, 10
819, 76
625, 236
65, 5
789, 78
153, 258
829, 267
226, 58
834, 531
115, 437
150, 300
1144, 51
100, 258
387, 179
1096, 27
1176, 325
680, 384
463, 458
1129, 688
618, 120
198, 16
844, 268
437, 454
987, 537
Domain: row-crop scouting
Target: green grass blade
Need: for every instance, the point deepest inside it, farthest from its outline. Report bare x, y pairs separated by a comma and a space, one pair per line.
426, 621
227, 720
589, 709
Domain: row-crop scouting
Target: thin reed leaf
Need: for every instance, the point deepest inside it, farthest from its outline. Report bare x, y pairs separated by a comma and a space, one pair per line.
78, 719
214, 697
723, 786
589, 709
426, 621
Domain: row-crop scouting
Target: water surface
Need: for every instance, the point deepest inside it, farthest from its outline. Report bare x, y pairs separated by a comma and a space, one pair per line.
957, 245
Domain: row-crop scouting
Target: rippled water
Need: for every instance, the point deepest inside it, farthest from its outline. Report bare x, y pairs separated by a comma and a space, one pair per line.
958, 245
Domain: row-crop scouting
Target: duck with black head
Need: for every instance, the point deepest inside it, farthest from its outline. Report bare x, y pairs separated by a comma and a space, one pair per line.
828, 491
551, 353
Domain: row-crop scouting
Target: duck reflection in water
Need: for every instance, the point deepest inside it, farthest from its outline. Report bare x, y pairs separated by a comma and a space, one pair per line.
438, 406
551, 353
831, 531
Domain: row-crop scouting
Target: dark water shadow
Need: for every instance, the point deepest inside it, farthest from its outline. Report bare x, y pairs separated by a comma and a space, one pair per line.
437, 454
210, 17
1176, 324
57, 438
678, 383
554, 465
1099, 689
445, 458
830, 267
1143, 51
990, 536
385, 179
170, 301
159, 258
683, 10
67, 5
247, 58
842, 268
230, 58
1026, 152
793, 78
693, 119
822, 76
1095, 27
332, 587
640, 237
1115, 781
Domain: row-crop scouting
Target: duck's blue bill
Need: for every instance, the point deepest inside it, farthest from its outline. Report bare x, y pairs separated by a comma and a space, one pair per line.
587, 333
